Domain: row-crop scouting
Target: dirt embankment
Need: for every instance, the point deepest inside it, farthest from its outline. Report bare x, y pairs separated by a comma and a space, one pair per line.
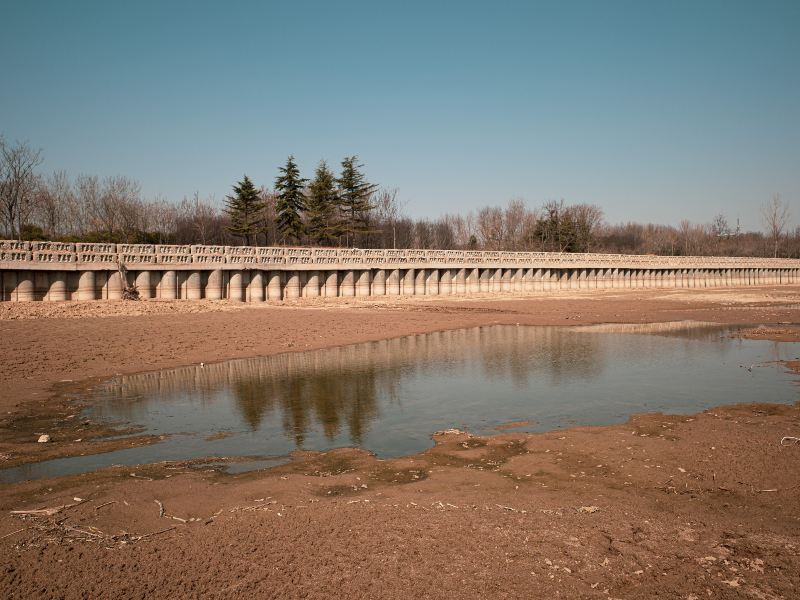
663, 506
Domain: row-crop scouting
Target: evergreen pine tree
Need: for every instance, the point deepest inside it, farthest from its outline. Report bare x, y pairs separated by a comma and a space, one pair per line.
321, 204
245, 208
355, 195
290, 202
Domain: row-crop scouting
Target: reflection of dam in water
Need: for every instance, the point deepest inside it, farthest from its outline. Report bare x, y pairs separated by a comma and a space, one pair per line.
340, 387
341, 391
389, 396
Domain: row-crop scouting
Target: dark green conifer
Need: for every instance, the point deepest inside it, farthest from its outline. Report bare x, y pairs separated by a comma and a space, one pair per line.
355, 195
322, 203
290, 203
246, 210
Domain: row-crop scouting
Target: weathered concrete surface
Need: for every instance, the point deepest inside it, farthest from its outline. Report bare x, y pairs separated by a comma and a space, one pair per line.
58, 271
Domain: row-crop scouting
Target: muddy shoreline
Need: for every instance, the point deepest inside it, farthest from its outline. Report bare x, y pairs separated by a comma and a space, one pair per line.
674, 506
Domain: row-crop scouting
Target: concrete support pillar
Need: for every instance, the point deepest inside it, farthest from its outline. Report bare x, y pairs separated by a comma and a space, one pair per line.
419, 282
473, 280
311, 285
363, 283
518, 280
292, 288
432, 282
506, 283
446, 282
393, 282
143, 285
379, 282
571, 279
214, 285
599, 278
583, 279
167, 287
24, 291
617, 278
331, 284
537, 283
461, 281
485, 280
347, 287
255, 291
235, 286
407, 283
495, 280
57, 289
527, 279
560, 278
275, 285
115, 285
86, 289
547, 280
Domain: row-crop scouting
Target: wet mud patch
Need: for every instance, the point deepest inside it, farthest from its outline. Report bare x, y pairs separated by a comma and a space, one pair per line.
398, 476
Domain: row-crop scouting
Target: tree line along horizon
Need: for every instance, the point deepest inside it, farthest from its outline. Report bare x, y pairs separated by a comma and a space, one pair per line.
343, 210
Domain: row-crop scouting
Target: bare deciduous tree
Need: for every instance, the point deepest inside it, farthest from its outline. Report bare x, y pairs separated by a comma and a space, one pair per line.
115, 209
56, 207
388, 210
18, 181
775, 216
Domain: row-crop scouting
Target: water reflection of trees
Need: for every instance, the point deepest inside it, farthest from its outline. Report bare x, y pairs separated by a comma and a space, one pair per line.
343, 389
330, 399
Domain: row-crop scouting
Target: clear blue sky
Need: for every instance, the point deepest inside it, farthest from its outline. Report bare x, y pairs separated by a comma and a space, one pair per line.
654, 110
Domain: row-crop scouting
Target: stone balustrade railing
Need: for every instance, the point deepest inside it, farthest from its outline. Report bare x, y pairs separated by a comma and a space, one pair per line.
66, 256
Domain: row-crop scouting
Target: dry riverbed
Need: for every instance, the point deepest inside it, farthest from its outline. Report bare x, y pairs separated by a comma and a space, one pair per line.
669, 506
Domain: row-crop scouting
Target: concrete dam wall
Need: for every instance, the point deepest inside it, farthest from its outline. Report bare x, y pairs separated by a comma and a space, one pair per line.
54, 271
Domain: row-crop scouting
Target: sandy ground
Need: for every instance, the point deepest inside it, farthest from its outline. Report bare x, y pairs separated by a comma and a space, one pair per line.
663, 506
